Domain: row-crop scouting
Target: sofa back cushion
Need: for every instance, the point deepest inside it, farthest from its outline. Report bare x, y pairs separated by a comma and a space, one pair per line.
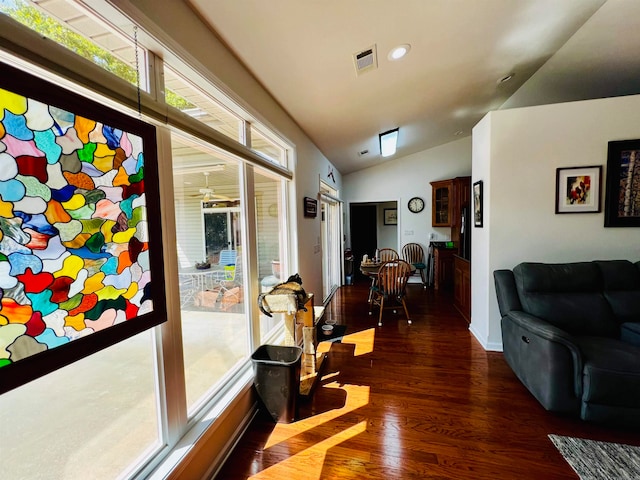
568, 295
621, 286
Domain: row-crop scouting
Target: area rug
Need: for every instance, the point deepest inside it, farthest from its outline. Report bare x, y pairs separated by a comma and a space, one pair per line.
593, 460
335, 336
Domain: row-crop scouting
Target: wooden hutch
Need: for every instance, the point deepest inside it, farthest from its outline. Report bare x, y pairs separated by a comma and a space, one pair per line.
452, 266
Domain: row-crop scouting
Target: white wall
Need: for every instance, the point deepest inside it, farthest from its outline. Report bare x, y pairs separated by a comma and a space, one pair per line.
387, 234
516, 153
407, 177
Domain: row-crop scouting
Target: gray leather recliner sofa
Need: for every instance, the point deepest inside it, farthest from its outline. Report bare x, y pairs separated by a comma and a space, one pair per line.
571, 333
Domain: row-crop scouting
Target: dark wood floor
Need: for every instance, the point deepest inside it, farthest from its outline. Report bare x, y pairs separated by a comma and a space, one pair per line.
420, 401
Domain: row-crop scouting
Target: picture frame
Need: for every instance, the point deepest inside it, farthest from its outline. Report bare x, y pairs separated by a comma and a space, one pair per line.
95, 169
391, 216
578, 189
310, 206
477, 204
622, 199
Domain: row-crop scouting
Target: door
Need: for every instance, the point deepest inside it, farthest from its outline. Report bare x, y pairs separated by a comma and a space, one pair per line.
364, 235
221, 231
330, 208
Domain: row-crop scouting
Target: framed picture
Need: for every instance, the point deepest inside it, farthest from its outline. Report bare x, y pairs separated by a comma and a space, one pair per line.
81, 265
477, 204
390, 216
310, 207
622, 200
578, 189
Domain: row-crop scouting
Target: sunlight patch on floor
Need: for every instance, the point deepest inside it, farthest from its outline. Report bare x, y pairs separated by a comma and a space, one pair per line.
363, 340
308, 464
356, 396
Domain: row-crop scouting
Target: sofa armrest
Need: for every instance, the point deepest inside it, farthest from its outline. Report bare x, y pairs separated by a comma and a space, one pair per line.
545, 358
630, 333
506, 291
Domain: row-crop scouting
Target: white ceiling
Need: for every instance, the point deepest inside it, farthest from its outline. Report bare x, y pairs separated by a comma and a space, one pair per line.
302, 52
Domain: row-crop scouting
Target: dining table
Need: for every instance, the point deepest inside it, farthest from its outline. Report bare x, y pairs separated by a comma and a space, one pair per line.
202, 279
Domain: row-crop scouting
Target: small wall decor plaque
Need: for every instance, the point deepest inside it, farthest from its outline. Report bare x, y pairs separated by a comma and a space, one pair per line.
310, 207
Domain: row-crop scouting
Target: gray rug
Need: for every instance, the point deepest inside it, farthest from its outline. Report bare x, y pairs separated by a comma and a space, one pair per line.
594, 460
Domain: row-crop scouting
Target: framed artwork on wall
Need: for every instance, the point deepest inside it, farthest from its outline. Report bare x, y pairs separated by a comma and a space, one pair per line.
477, 204
622, 199
578, 189
81, 264
390, 216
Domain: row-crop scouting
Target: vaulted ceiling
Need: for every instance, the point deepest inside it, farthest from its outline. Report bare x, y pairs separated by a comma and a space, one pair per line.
302, 53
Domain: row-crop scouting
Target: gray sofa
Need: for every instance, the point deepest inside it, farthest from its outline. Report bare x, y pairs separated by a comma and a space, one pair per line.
571, 333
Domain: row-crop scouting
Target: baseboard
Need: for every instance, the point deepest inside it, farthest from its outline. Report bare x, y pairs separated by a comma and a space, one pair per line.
221, 458
488, 346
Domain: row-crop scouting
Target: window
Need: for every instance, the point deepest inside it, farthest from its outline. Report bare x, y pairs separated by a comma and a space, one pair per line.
92, 419
190, 99
109, 425
261, 143
73, 27
215, 327
271, 241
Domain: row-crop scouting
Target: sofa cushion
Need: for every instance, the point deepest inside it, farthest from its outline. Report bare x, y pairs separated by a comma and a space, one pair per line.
621, 284
568, 295
630, 333
611, 373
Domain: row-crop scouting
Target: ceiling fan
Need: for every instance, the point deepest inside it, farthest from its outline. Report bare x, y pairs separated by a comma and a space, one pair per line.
208, 194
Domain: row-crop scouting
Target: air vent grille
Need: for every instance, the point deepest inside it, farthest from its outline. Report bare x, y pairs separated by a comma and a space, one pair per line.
365, 60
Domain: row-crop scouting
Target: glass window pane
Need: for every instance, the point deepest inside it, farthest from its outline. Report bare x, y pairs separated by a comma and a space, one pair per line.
272, 266
95, 418
190, 99
69, 25
215, 329
267, 147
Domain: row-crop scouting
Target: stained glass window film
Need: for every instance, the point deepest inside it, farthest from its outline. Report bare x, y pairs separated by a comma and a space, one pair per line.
79, 208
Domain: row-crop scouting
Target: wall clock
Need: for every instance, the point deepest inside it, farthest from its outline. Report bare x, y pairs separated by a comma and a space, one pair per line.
416, 204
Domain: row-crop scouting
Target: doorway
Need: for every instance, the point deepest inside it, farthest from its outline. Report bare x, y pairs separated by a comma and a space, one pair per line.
364, 232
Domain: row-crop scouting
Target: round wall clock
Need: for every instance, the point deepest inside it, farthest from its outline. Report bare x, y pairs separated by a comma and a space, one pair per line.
416, 204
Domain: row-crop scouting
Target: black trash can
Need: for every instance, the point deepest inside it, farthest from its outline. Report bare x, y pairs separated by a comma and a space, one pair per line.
277, 380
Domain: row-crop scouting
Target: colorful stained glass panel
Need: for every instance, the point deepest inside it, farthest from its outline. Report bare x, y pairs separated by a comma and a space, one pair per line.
75, 256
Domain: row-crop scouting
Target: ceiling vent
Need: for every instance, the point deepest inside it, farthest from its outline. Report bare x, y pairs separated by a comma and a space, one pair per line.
362, 153
365, 60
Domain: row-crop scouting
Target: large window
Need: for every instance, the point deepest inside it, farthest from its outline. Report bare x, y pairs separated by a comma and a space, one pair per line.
209, 247
95, 418
113, 414
272, 255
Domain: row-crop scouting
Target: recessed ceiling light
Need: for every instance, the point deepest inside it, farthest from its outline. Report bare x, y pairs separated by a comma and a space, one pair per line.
506, 78
398, 52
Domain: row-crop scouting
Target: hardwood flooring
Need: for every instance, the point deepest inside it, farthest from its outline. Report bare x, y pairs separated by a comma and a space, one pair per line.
420, 401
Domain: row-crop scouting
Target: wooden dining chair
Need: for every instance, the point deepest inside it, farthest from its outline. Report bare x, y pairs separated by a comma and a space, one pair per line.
386, 254
413, 253
391, 284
